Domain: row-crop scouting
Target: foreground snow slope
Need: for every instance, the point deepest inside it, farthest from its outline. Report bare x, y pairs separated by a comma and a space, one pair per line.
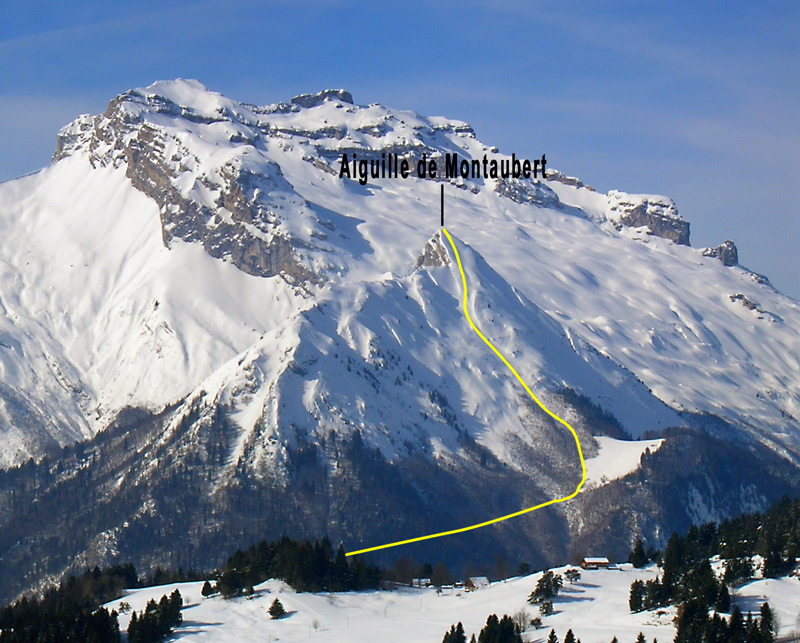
595, 608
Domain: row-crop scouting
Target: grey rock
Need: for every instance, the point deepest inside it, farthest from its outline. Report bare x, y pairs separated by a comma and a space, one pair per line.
119, 137
313, 100
528, 192
560, 177
746, 301
434, 254
726, 252
659, 215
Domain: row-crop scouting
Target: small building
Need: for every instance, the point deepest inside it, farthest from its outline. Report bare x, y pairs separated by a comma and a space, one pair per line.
420, 582
595, 562
476, 582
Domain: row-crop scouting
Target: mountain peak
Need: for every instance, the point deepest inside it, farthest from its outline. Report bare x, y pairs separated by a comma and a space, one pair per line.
313, 100
434, 253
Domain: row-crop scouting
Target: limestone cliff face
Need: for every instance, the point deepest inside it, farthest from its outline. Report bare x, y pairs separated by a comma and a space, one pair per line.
658, 214
233, 206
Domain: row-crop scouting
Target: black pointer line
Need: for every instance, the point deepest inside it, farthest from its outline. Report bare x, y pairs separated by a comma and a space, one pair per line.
443, 205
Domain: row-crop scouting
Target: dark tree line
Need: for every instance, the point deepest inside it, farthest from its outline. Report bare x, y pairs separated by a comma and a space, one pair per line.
305, 566
73, 612
157, 620
695, 625
688, 581
496, 630
70, 612
686, 572
167, 576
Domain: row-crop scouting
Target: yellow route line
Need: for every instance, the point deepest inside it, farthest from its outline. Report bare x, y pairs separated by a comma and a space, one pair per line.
535, 399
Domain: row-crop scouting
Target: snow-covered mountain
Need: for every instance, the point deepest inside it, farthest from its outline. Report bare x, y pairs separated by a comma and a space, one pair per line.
192, 283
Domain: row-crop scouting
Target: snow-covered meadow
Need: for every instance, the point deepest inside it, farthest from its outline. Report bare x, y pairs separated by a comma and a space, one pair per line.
595, 608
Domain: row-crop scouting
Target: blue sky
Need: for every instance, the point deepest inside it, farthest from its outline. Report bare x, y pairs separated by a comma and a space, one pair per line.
696, 100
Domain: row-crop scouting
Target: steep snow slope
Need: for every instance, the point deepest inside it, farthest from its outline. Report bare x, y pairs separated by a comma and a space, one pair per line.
99, 315
616, 458
404, 342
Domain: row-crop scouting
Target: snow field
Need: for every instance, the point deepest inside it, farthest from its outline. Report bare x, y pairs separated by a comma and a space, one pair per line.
595, 608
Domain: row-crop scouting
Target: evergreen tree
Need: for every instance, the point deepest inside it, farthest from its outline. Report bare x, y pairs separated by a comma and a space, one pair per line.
569, 637
507, 631
341, 571
691, 622
700, 583
723, 603
157, 620
736, 628
671, 564
499, 631
716, 630
774, 563
552, 638
276, 610
455, 634
207, 589
547, 587
638, 557
767, 625
175, 607
753, 634
737, 569
489, 632
641, 638
656, 594
636, 599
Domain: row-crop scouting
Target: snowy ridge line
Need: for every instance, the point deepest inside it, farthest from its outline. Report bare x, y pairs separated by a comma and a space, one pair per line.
533, 397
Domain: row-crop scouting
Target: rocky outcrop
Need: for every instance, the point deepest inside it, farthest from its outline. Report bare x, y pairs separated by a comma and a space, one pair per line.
754, 306
656, 213
560, 177
313, 100
240, 225
434, 254
726, 252
528, 192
